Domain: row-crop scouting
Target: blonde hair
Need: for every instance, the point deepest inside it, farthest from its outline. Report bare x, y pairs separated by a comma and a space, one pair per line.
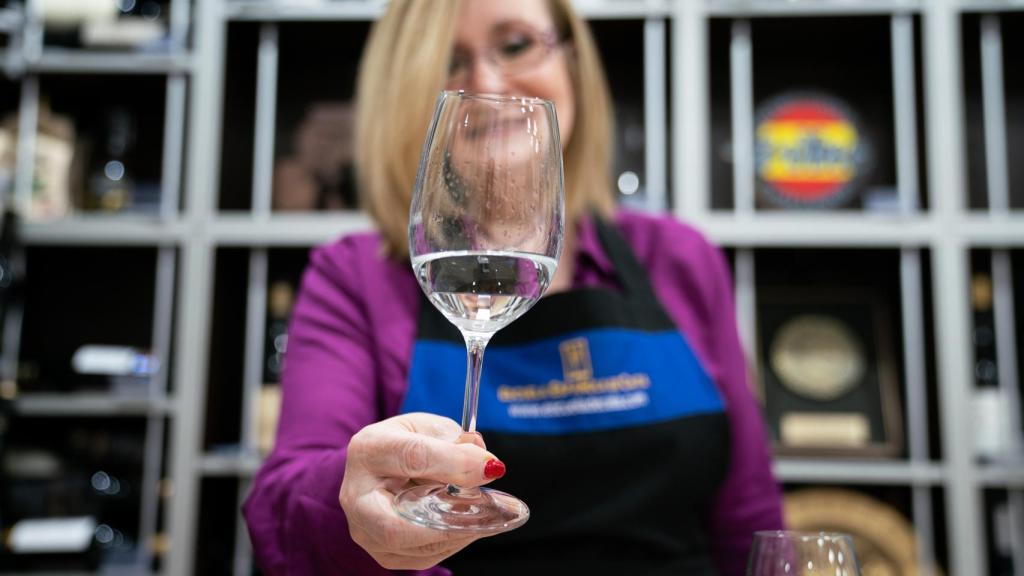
405, 66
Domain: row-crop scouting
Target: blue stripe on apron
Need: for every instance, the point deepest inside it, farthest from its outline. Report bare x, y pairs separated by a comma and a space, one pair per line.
536, 394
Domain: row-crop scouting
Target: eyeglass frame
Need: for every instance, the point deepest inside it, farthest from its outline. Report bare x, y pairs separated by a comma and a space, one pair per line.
550, 39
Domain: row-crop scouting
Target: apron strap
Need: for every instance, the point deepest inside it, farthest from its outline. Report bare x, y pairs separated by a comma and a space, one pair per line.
628, 269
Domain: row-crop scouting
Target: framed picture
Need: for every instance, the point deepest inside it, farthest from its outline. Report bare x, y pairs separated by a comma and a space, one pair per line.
827, 373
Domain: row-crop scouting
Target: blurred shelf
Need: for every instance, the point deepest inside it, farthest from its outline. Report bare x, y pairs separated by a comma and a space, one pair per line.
786, 470
90, 404
622, 9
56, 61
113, 570
765, 229
131, 230
854, 230
988, 5
238, 465
1003, 230
744, 8
307, 229
11, 20
801, 471
1002, 475
275, 10
366, 10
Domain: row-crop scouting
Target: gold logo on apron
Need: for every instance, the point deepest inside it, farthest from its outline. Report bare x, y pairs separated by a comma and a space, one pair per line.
576, 364
578, 379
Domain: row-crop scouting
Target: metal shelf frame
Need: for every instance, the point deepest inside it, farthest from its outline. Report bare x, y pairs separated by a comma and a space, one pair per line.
917, 474
48, 405
105, 231
358, 10
189, 229
944, 232
907, 230
53, 61
229, 465
797, 8
26, 60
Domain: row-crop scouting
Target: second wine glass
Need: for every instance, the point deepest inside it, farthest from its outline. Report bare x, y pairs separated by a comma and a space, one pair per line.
783, 553
485, 236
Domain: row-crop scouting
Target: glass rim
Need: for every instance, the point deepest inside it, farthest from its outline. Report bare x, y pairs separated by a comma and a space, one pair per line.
803, 535
499, 98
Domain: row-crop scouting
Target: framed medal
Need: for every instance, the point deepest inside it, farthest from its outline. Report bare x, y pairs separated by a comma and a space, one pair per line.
827, 372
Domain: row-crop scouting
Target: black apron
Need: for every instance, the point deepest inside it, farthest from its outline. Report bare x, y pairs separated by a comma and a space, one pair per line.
613, 433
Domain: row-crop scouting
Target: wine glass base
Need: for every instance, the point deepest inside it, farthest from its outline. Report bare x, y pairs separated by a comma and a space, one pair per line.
477, 511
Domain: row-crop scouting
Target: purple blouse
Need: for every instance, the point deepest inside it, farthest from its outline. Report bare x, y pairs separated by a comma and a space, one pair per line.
349, 347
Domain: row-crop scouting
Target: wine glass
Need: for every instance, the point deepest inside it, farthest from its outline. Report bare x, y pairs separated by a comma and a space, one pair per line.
782, 553
485, 234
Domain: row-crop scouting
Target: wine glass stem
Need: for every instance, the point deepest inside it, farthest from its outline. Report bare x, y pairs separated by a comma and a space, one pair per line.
475, 346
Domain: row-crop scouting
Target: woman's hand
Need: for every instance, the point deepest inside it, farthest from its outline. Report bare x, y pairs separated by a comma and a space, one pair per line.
386, 457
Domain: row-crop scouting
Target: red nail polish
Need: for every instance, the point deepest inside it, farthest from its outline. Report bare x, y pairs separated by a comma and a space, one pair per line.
494, 469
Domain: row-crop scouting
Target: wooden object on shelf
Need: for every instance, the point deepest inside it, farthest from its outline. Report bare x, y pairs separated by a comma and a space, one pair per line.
885, 541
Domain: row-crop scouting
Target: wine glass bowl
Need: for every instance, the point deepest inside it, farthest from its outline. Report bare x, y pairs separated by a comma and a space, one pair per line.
485, 235
782, 553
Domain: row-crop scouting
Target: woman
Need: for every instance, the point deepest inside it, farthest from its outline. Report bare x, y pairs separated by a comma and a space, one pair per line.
670, 495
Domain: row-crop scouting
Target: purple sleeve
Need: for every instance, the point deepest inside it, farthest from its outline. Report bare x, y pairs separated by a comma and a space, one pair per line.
329, 385
749, 499
692, 279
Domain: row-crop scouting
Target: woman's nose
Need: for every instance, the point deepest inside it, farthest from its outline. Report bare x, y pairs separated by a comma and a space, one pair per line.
485, 78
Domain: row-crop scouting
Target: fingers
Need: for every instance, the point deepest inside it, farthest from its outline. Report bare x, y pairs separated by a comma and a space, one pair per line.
429, 424
439, 427
384, 458
399, 562
407, 455
398, 452
396, 543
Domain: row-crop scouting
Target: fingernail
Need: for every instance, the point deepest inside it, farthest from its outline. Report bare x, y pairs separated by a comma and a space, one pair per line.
494, 469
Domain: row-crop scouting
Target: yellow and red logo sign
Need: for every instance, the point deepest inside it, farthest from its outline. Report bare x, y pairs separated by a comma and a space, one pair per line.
810, 151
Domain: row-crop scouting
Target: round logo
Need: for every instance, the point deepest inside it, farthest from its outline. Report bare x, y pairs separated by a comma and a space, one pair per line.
810, 151
817, 357
885, 541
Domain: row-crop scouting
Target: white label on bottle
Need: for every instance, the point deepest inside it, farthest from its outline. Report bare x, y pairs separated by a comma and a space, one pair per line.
113, 361
43, 535
989, 415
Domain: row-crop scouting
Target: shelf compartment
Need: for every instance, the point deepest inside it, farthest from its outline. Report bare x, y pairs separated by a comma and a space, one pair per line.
99, 144
83, 467
85, 296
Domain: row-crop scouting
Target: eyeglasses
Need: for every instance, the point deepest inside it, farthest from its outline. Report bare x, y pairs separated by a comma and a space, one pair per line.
512, 49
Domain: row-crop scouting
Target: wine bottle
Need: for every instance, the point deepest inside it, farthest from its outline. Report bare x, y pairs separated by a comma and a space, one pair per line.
988, 401
112, 184
279, 303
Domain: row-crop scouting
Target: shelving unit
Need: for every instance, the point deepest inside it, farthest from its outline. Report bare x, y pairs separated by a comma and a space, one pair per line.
930, 234
28, 62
